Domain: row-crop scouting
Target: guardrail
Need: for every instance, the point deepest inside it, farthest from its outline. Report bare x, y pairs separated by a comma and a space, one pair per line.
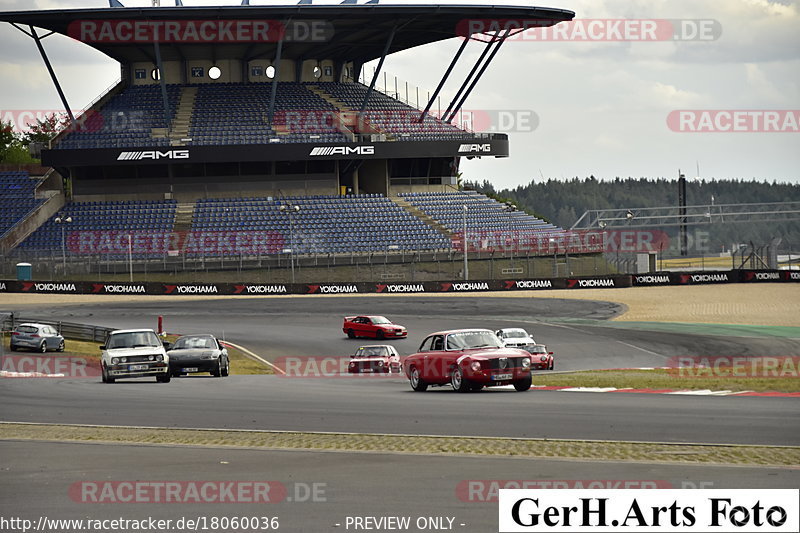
69, 330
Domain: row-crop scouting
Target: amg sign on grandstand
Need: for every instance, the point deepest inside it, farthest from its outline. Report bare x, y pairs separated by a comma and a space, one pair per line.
342, 150
593, 30
154, 155
734, 121
473, 148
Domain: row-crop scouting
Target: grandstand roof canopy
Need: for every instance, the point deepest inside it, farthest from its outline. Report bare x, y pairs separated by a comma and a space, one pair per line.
359, 32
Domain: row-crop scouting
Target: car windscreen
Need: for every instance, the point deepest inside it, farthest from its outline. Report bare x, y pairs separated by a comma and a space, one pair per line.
134, 339
473, 339
190, 343
380, 320
371, 352
536, 349
27, 329
515, 334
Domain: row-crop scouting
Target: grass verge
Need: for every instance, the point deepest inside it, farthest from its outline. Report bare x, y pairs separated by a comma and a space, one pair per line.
782, 456
241, 363
700, 379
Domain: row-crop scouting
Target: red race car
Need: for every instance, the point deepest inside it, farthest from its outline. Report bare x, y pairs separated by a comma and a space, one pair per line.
468, 359
380, 358
374, 327
542, 359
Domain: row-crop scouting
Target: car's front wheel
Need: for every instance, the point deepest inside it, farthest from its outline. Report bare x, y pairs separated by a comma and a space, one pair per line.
226, 368
43, 347
61, 346
380, 334
458, 381
416, 381
105, 377
552, 365
351, 333
523, 384
163, 378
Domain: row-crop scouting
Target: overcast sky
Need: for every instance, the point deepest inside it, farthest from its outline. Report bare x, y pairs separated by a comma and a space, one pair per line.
602, 107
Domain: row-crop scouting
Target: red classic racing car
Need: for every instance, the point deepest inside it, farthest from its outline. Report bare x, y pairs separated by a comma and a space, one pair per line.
541, 358
379, 358
468, 359
374, 327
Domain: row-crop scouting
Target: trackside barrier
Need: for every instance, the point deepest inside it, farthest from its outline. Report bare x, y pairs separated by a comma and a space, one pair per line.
232, 289
69, 330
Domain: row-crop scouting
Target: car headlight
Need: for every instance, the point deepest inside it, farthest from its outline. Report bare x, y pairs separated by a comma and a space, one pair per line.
543, 358
526, 362
123, 359
159, 357
380, 363
152, 357
114, 360
475, 366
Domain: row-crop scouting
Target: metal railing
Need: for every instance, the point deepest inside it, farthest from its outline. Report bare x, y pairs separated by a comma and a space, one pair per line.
69, 330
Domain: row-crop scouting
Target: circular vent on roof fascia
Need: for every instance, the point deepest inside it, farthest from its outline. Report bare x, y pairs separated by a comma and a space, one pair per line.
214, 73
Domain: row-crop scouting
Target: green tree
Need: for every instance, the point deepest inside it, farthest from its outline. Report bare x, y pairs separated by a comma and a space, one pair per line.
7, 138
44, 130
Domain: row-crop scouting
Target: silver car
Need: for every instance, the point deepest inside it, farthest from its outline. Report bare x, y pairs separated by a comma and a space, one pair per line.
37, 337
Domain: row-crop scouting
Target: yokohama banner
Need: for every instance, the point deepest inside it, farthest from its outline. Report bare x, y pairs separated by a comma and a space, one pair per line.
411, 287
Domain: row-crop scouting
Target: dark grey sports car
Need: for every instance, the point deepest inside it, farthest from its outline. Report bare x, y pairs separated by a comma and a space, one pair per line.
198, 353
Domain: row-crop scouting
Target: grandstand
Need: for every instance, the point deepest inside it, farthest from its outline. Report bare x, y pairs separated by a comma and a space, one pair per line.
216, 136
17, 198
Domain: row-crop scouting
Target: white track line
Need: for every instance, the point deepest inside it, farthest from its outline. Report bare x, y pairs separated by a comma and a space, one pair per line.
255, 356
638, 348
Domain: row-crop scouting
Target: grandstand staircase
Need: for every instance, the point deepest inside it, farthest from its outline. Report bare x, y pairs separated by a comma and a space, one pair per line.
179, 129
184, 215
349, 122
417, 212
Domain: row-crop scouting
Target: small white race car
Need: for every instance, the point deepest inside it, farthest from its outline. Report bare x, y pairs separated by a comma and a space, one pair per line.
515, 337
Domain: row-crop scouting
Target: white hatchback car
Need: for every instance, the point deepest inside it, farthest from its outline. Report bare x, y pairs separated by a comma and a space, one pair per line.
134, 353
515, 337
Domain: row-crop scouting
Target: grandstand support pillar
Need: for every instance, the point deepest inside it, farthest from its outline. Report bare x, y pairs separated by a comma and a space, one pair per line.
443, 80
469, 76
477, 78
378, 70
52, 72
274, 88
163, 83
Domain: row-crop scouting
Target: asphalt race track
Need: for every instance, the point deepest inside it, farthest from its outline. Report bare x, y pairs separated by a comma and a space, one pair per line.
305, 326
36, 477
